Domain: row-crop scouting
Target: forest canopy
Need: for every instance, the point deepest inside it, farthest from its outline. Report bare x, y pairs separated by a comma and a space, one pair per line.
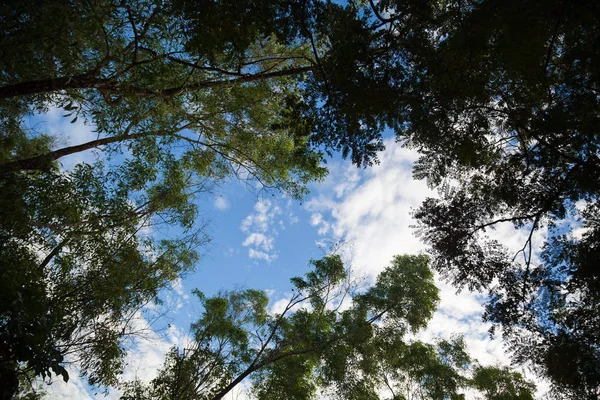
500, 98
316, 345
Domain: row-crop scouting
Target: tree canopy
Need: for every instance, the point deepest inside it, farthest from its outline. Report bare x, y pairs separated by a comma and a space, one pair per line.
171, 119
73, 272
329, 340
508, 128
499, 97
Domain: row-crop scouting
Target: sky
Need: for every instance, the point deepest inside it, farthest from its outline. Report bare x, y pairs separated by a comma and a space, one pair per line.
262, 239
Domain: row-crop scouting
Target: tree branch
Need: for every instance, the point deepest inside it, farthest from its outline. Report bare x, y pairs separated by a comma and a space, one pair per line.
85, 81
41, 161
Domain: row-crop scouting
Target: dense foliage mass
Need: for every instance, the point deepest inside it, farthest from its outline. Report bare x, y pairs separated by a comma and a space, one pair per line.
173, 115
500, 97
74, 268
324, 344
509, 134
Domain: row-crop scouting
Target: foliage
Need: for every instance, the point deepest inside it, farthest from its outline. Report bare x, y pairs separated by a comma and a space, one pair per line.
500, 97
171, 116
75, 268
323, 344
501, 383
149, 85
507, 126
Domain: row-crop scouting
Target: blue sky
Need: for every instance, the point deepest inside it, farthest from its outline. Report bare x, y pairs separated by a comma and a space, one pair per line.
262, 239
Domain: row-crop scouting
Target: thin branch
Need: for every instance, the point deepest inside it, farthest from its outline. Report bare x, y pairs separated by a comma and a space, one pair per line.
507, 219
379, 16
53, 253
136, 41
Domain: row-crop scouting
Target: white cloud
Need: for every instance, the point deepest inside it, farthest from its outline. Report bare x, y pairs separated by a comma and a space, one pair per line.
293, 218
181, 295
323, 226
177, 286
279, 306
260, 229
221, 203
146, 349
348, 182
259, 240
375, 216
261, 255
240, 392
316, 219
230, 251
75, 389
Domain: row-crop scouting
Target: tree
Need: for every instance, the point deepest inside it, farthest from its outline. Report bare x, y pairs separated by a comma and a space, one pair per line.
74, 264
500, 97
501, 383
315, 346
149, 84
301, 73
507, 126
174, 99
75, 269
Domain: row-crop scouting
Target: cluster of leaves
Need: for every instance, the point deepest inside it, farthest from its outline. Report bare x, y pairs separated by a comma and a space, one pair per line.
508, 128
75, 268
173, 115
314, 346
147, 85
500, 97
